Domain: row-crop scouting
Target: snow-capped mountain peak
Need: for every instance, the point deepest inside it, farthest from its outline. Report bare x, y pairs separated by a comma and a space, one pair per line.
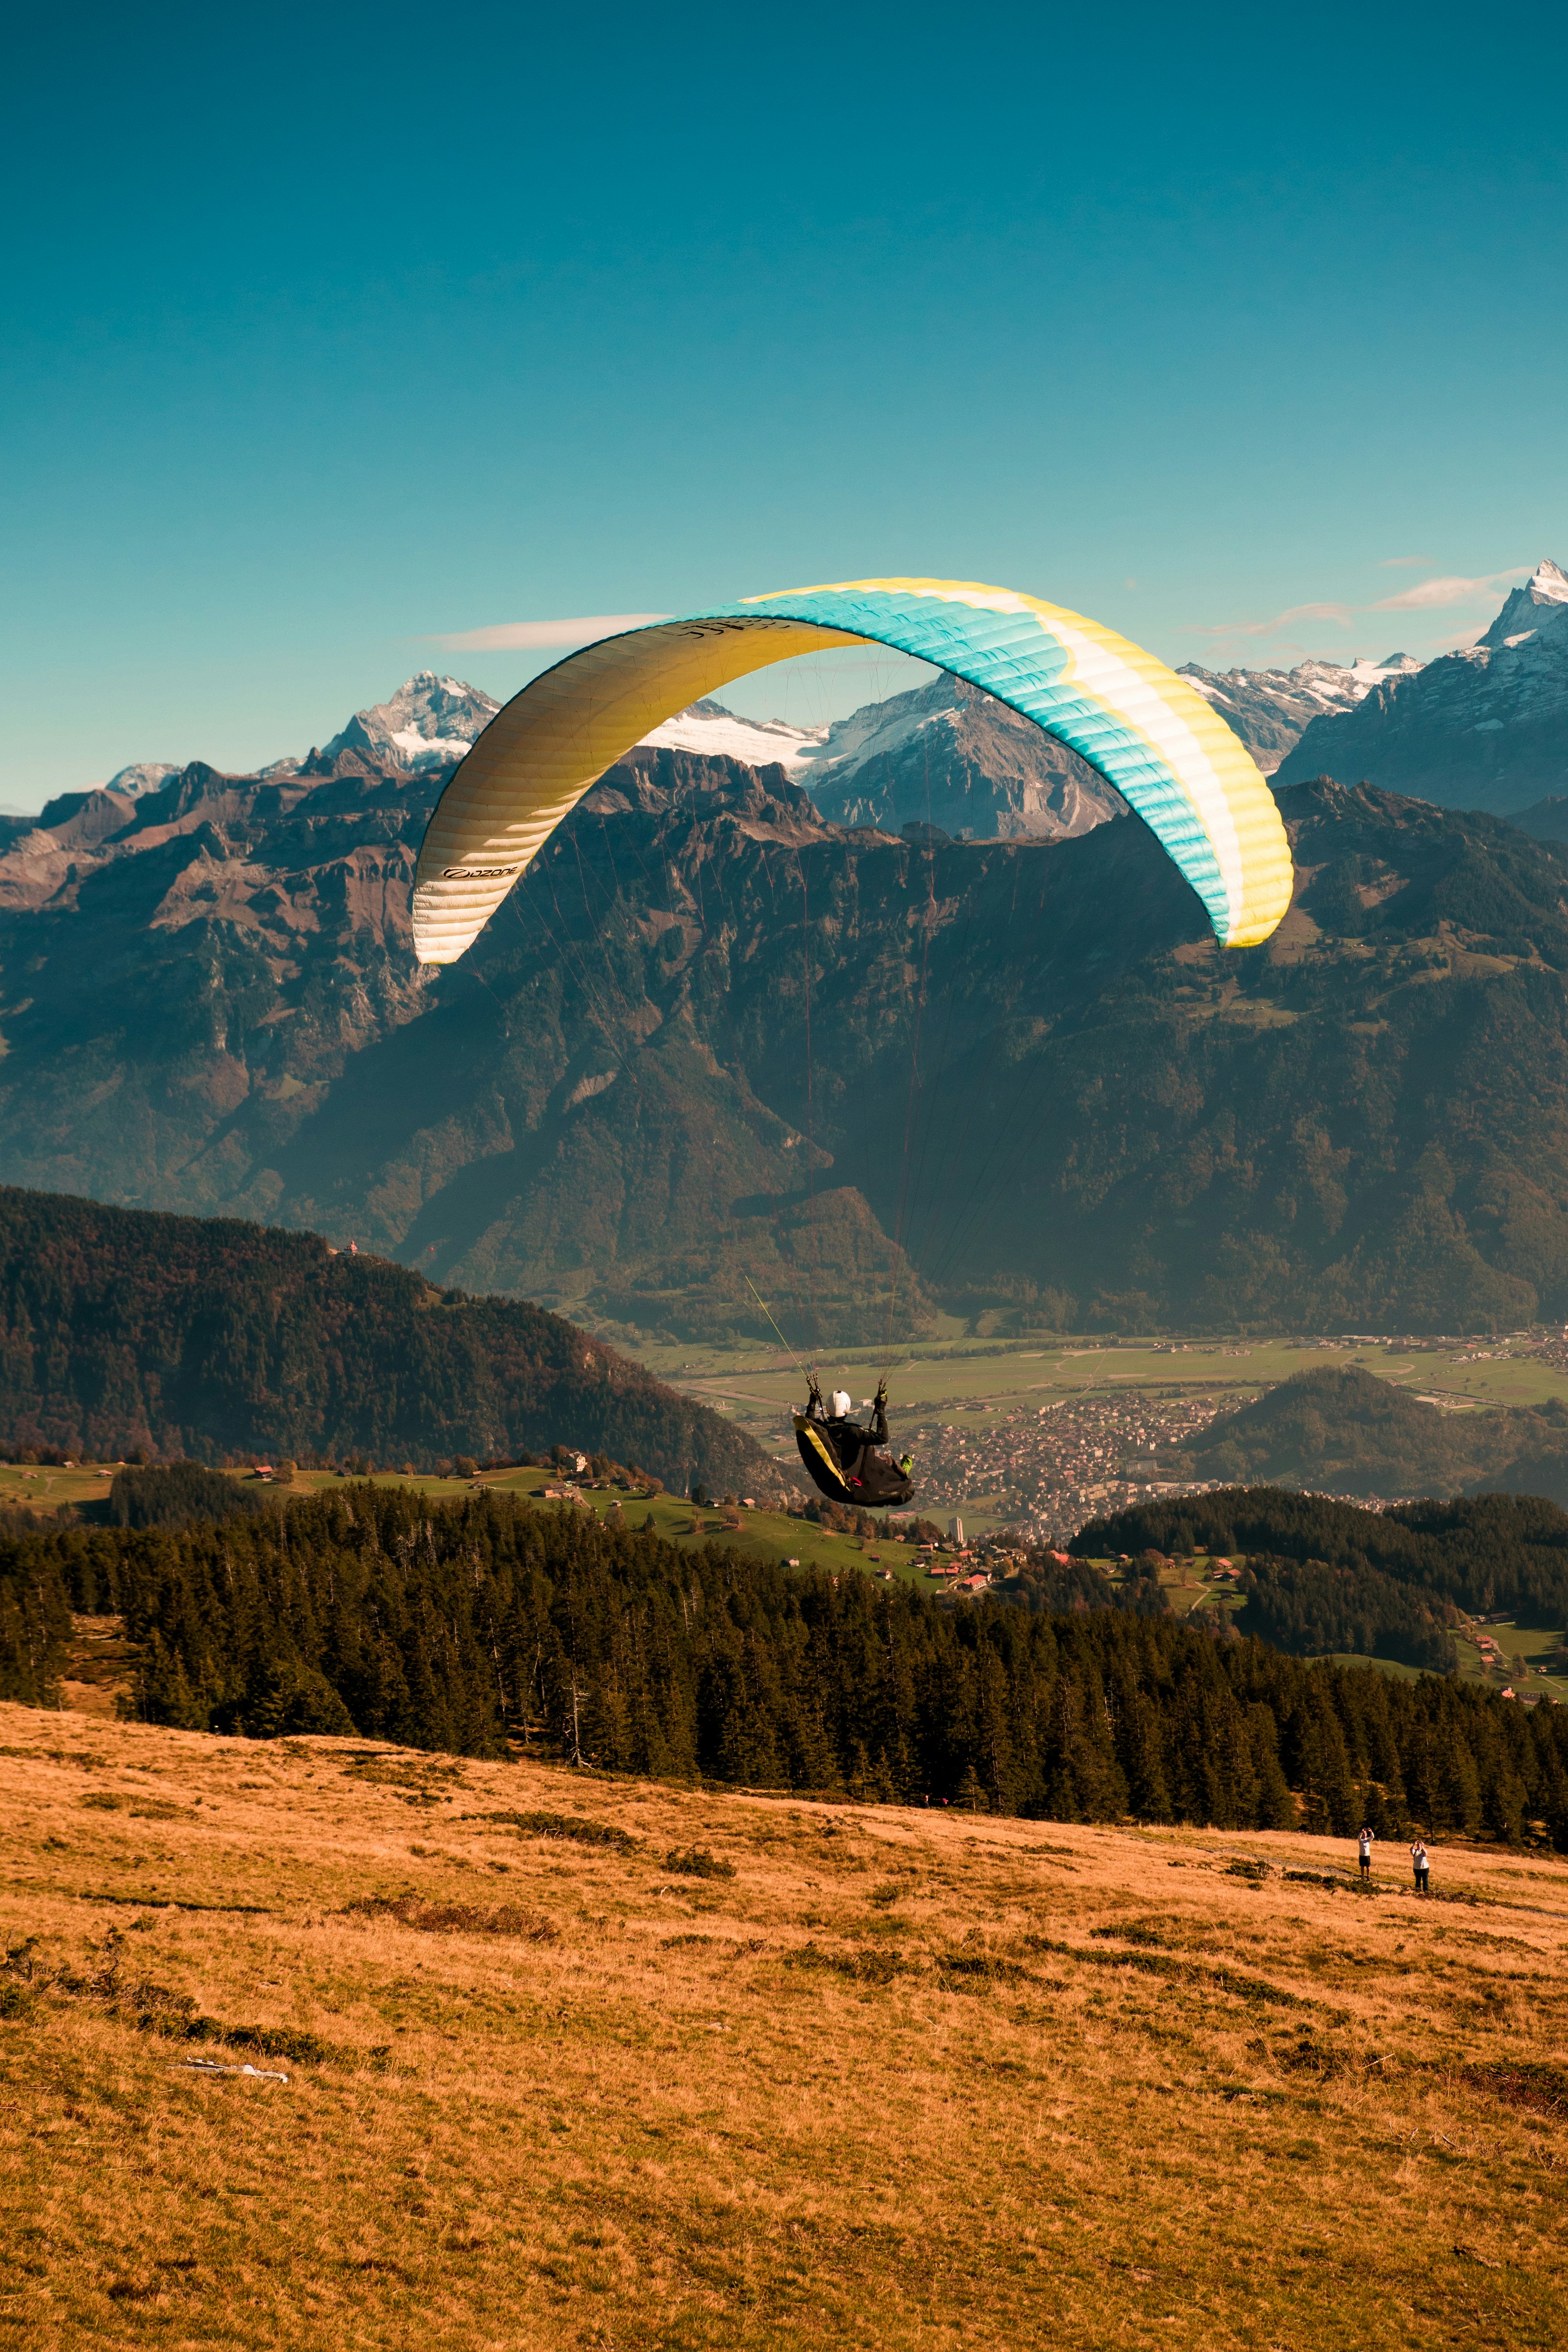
141, 776
1542, 599
944, 752
429, 722
708, 728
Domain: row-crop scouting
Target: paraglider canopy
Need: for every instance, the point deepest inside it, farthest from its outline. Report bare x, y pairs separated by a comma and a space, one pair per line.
1147, 732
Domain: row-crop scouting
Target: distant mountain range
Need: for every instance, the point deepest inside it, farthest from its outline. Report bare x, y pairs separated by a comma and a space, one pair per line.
1485, 728
1030, 1064
944, 754
1271, 709
211, 1005
428, 724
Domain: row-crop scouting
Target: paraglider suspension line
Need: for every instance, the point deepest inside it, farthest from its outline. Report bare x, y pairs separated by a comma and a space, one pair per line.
768, 1311
810, 1130
904, 1170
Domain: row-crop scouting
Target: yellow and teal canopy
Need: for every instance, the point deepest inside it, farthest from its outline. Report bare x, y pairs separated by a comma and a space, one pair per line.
1172, 758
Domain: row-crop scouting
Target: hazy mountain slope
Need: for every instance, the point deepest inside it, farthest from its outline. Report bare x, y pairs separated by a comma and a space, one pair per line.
608, 1105
1545, 820
1484, 728
1349, 1433
120, 1329
179, 994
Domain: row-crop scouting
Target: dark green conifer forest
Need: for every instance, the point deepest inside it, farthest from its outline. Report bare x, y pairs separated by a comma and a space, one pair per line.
1322, 1575
124, 1333
366, 1611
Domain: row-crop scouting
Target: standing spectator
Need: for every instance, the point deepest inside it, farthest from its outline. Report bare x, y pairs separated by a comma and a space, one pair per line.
1421, 1864
1364, 1843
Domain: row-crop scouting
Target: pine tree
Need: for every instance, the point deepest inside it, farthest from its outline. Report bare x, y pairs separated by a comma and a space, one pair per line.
1459, 1786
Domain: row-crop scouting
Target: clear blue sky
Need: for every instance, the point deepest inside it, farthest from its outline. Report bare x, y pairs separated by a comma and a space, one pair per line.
332, 333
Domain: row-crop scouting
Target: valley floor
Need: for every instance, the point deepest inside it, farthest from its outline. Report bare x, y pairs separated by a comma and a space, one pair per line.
1045, 1435
878, 2078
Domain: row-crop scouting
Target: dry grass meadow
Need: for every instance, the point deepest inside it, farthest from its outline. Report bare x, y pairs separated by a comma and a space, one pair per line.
902, 2080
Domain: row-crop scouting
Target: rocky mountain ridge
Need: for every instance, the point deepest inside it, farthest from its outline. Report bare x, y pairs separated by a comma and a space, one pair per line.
430, 722
1271, 709
943, 753
946, 754
209, 1002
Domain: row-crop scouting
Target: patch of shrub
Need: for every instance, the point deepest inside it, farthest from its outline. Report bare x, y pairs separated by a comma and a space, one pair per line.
1534, 2084
570, 1826
278, 2042
973, 1970
873, 1967
462, 1919
697, 1861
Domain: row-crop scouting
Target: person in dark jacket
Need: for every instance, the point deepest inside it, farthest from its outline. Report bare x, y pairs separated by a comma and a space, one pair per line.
835, 1442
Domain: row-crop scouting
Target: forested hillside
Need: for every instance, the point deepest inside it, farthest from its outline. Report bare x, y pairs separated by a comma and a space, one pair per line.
1349, 1432
122, 1332
608, 1105
361, 1611
1324, 1576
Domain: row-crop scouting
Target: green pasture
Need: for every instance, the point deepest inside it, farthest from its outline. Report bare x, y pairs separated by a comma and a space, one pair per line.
770, 1534
1187, 1583
1524, 1650
43, 1489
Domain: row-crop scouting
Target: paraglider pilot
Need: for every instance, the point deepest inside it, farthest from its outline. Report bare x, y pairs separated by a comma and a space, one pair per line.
847, 1462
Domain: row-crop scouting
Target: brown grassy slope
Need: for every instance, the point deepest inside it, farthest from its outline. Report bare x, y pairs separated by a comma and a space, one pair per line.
904, 2080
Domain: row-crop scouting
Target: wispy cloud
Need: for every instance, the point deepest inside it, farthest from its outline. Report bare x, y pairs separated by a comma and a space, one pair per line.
535, 636
1423, 596
1340, 615
1455, 641
1449, 590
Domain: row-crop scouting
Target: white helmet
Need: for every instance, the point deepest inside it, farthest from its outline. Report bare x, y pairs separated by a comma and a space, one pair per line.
841, 1404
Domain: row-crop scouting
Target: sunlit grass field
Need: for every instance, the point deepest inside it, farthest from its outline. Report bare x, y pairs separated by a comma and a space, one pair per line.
880, 2077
